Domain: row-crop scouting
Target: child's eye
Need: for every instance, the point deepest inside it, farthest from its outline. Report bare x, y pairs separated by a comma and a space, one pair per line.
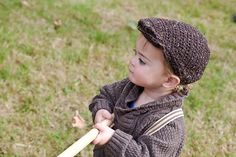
141, 61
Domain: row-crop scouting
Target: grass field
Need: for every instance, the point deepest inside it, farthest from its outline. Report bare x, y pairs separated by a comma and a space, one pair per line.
55, 54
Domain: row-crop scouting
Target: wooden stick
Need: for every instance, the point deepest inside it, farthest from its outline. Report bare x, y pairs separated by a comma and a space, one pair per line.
80, 144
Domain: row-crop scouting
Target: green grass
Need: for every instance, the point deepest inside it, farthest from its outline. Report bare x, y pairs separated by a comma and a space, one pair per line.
54, 56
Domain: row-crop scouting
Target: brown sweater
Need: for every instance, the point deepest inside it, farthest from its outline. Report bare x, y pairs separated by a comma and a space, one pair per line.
130, 123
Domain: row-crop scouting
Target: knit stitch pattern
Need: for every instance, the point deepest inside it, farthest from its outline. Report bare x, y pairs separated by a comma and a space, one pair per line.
130, 124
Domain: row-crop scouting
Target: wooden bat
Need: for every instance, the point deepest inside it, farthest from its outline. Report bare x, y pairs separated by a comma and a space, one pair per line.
80, 144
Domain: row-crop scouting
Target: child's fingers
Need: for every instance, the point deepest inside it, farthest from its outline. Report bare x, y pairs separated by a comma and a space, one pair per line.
100, 127
102, 115
97, 140
105, 133
107, 115
99, 137
99, 119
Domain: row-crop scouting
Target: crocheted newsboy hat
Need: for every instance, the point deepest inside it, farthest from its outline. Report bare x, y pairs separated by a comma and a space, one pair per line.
184, 47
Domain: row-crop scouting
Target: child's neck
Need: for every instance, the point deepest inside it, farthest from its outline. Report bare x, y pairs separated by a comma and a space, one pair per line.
150, 95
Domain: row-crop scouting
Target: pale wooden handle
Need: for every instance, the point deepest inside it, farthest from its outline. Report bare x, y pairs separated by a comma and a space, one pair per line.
80, 144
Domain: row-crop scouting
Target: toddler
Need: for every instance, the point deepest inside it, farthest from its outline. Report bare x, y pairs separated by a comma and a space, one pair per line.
169, 55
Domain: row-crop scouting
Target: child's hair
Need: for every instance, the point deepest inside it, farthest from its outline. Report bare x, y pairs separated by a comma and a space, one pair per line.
184, 47
183, 89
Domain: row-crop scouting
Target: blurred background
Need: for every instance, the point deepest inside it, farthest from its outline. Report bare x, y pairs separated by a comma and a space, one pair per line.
56, 54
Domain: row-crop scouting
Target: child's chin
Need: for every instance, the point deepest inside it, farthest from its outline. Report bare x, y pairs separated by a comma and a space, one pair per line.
131, 78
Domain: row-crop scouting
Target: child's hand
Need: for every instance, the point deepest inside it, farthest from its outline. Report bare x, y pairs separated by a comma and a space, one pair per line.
102, 115
104, 135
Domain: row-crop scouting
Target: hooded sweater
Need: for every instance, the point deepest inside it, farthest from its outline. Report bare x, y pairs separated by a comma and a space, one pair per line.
130, 124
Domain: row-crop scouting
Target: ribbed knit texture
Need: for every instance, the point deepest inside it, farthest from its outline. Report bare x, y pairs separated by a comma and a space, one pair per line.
131, 123
185, 48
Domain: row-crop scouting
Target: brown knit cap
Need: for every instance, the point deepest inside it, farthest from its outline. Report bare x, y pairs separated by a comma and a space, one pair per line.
185, 48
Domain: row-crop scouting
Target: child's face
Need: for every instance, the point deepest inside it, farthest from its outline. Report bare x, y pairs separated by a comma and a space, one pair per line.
147, 68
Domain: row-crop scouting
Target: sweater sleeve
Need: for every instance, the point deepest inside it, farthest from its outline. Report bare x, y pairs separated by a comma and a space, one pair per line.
107, 97
166, 142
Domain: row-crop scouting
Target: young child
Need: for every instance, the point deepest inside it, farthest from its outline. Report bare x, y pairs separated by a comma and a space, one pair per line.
169, 55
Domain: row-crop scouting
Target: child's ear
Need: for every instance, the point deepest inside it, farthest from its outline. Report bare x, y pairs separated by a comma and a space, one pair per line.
171, 82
